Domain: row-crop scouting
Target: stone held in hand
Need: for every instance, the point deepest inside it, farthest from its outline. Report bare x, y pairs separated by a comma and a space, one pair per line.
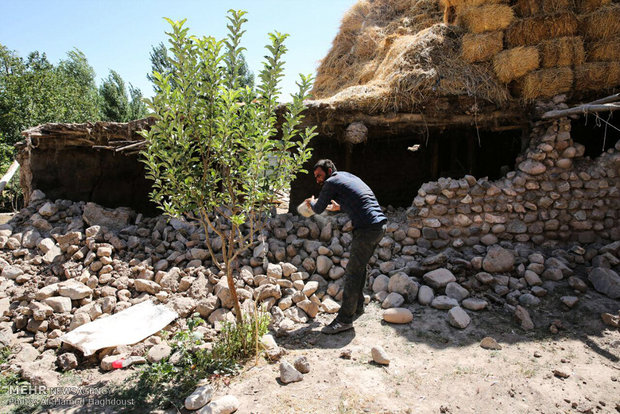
304, 210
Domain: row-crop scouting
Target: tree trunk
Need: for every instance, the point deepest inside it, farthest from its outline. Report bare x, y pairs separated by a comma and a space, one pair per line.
233, 292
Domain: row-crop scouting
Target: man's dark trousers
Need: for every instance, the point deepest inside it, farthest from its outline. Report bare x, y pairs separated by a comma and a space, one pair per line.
363, 245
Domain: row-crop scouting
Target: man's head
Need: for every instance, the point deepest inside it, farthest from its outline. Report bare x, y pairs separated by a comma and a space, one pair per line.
323, 169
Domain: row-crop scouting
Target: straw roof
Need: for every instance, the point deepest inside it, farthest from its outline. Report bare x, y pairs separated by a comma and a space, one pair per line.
405, 55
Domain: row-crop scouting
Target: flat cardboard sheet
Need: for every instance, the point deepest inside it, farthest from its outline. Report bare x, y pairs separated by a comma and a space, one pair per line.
124, 328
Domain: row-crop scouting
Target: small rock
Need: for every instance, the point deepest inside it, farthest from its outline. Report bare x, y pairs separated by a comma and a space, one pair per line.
605, 281
425, 295
379, 355
398, 315
474, 304
301, 364
345, 354
611, 320
159, 352
393, 300
444, 302
67, 361
490, 343
498, 260
289, 374
561, 374
199, 398
458, 318
523, 317
569, 301
439, 278
224, 405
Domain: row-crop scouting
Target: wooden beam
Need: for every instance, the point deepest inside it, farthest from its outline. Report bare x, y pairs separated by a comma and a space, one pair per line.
9, 174
582, 109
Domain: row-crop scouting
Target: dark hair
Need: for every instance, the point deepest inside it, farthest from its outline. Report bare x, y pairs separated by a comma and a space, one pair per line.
325, 165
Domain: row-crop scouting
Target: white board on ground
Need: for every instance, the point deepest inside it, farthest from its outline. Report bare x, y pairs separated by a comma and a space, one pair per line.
124, 328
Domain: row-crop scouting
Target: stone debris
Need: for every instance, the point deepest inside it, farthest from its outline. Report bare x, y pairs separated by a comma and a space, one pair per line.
302, 365
223, 405
611, 320
490, 343
288, 373
458, 318
398, 315
379, 355
199, 398
523, 316
464, 243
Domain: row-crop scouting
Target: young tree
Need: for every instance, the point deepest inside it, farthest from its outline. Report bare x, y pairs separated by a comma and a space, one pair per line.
214, 150
161, 65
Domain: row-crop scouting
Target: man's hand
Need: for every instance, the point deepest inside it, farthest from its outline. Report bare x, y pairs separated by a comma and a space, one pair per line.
333, 206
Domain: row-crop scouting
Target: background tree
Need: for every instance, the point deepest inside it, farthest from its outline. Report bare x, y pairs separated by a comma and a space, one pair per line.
33, 91
119, 103
213, 151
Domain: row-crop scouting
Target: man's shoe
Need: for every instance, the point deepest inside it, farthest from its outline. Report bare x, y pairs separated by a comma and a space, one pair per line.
336, 327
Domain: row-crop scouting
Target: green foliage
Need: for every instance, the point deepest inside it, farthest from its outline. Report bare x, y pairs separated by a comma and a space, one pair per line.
215, 150
33, 91
8, 378
160, 64
163, 384
116, 103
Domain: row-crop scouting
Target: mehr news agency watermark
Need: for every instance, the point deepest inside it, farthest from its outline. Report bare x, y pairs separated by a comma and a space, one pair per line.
32, 396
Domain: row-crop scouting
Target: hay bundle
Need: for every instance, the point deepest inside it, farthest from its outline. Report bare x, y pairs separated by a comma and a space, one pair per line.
367, 43
514, 63
526, 8
353, 19
564, 51
533, 30
486, 18
427, 65
602, 24
604, 50
480, 47
597, 75
463, 4
545, 83
587, 6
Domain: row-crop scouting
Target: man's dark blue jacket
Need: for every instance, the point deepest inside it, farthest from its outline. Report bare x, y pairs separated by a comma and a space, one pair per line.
355, 198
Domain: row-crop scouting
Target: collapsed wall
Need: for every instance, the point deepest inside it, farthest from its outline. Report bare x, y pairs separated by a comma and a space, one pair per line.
86, 162
555, 194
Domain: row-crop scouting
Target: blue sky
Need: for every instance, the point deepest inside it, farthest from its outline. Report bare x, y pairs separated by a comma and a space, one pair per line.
115, 34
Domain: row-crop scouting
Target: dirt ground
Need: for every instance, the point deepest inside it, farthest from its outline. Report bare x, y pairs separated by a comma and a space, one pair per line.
435, 368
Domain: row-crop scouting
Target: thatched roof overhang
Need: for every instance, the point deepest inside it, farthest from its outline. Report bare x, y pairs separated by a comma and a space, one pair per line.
443, 113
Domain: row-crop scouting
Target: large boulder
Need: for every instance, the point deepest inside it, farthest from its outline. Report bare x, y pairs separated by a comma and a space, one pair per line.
498, 260
605, 281
116, 219
439, 278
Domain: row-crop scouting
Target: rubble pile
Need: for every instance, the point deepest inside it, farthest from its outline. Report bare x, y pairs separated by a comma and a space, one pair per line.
464, 246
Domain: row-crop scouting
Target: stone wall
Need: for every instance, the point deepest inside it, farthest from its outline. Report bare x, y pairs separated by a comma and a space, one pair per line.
556, 194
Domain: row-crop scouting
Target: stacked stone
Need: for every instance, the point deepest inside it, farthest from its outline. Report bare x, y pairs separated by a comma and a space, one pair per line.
556, 194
